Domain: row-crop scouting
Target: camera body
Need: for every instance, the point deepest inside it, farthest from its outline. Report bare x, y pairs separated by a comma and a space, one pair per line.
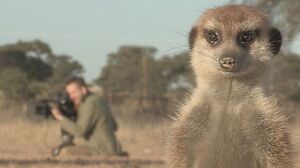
66, 107
63, 102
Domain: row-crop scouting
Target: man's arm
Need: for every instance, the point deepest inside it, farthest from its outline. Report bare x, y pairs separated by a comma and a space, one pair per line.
56, 113
86, 119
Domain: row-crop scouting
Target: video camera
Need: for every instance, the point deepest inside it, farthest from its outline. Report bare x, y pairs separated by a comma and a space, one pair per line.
66, 107
63, 102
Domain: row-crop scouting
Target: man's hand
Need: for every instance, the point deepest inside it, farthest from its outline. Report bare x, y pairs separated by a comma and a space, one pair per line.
56, 112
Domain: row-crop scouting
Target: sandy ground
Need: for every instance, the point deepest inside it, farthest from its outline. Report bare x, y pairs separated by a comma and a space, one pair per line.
24, 144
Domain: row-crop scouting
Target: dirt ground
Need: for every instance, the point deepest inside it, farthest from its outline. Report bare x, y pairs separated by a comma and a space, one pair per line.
28, 145
25, 144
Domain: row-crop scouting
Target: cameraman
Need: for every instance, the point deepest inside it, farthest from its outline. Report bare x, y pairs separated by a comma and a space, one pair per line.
94, 123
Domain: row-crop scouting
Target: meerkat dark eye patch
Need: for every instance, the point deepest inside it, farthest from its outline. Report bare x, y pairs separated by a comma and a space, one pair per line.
246, 38
212, 37
275, 40
192, 37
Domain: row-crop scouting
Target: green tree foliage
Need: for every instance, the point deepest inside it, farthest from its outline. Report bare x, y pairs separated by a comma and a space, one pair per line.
14, 83
33, 67
134, 70
176, 71
64, 67
124, 70
35, 48
28, 69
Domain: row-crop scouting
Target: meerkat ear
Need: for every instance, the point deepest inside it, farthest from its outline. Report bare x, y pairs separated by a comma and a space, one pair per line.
192, 37
275, 40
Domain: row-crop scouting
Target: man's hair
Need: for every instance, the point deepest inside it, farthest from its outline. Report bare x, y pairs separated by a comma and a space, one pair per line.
78, 80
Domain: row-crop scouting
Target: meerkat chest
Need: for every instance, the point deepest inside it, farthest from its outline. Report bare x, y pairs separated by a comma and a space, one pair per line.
234, 122
230, 138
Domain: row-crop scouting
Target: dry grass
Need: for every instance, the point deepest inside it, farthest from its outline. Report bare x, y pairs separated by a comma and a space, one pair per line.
28, 144
27, 141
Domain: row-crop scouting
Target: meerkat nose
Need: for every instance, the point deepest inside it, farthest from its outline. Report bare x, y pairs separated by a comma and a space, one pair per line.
228, 63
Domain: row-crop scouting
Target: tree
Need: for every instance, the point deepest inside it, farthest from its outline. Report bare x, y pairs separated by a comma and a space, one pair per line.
14, 83
127, 69
64, 67
176, 71
134, 70
34, 69
28, 56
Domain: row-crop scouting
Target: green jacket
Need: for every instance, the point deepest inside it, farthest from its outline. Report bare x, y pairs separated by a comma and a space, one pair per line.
96, 125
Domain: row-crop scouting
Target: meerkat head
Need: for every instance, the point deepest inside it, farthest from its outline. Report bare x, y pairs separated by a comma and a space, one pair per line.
232, 41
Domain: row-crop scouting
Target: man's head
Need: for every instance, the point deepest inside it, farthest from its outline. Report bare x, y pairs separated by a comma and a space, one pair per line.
77, 89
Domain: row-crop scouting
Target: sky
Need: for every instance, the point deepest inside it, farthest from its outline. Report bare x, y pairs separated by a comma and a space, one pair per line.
89, 30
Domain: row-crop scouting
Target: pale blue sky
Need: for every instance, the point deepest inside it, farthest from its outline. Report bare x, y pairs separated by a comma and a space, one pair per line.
89, 30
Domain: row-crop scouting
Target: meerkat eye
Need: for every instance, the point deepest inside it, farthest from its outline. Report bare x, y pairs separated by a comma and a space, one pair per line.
212, 37
246, 38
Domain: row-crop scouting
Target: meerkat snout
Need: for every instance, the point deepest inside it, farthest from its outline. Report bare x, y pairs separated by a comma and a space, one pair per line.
229, 63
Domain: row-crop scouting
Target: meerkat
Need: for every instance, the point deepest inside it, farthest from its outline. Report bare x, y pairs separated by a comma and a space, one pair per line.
232, 119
